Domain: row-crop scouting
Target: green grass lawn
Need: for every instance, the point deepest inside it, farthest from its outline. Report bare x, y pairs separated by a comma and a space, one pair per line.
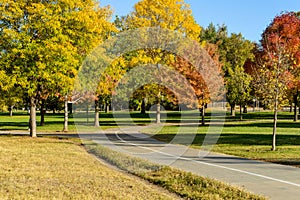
45, 168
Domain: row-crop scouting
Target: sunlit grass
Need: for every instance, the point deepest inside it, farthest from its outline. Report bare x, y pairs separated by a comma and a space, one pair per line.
44, 168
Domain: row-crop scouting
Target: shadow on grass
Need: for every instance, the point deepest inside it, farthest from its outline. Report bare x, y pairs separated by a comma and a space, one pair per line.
261, 115
7, 126
287, 161
237, 139
281, 124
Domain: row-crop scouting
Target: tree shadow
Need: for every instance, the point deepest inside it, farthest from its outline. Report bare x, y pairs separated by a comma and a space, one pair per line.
260, 116
233, 139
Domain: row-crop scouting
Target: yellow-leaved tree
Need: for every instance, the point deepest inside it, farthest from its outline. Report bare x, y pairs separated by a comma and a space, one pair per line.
174, 15
169, 14
44, 42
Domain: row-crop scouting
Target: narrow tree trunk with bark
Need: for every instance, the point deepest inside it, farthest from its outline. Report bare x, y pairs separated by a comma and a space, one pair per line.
43, 111
274, 131
32, 121
66, 117
96, 121
202, 112
232, 110
295, 107
107, 108
275, 122
241, 113
11, 111
143, 107
158, 112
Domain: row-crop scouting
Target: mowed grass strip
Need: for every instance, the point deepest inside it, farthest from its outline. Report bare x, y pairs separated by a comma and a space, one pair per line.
184, 184
45, 168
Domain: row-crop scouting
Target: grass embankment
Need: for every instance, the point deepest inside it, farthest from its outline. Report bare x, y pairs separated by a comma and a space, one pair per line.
250, 138
45, 168
184, 184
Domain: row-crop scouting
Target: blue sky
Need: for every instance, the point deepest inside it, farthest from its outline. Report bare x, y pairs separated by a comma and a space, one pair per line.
250, 17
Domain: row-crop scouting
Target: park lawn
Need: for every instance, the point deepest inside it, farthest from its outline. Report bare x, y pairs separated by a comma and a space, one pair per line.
49, 168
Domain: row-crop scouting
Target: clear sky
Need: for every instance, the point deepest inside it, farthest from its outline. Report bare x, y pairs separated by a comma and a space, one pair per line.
250, 17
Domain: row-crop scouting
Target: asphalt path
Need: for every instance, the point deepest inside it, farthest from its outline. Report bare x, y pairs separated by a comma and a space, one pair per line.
270, 180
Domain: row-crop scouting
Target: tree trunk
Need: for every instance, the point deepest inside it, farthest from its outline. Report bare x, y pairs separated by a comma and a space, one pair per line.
275, 123
274, 130
232, 110
11, 111
241, 113
107, 108
143, 107
96, 121
158, 112
32, 121
202, 112
66, 118
43, 111
295, 107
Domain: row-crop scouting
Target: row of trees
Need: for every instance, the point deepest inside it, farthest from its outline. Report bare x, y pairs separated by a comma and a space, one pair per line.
268, 70
43, 44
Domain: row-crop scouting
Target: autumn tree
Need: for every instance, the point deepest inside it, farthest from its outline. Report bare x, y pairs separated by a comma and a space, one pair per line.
285, 31
272, 82
278, 64
174, 15
45, 42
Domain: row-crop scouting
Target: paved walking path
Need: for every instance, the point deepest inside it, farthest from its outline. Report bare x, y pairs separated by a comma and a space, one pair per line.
271, 180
